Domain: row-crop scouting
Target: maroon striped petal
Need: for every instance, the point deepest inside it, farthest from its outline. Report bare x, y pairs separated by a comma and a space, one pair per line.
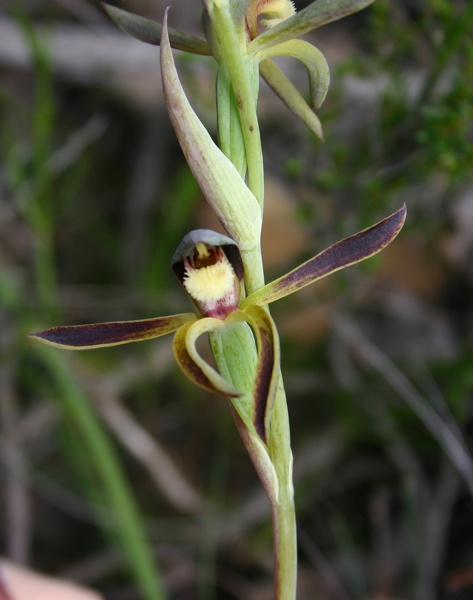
347, 252
100, 335
149, 31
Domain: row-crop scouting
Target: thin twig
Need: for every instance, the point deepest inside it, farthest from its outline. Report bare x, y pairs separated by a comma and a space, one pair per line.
451, 441
437, 525
146, 449
77, 142
322, 565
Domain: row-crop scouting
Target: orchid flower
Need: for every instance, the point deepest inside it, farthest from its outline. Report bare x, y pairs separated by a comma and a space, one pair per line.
210, 268
224, 275
233, 37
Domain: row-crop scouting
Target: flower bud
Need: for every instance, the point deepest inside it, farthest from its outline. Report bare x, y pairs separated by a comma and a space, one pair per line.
209, 266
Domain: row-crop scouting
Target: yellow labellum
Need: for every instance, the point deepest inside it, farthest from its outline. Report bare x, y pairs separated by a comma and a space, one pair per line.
209, 284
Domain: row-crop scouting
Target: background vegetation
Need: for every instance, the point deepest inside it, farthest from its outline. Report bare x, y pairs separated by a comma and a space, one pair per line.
111, 462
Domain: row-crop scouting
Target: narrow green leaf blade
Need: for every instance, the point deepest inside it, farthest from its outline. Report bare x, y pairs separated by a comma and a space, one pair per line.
101, 335
149, 31
348, 251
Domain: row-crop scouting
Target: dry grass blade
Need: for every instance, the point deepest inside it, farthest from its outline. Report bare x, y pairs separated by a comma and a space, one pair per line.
145, 448
448, 438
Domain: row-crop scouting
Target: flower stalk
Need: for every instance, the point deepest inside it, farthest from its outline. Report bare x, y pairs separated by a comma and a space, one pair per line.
243, 75
224, 276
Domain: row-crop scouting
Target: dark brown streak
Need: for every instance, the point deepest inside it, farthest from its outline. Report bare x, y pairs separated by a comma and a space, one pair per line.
263, 382
105, 333
195, 373
347, 251
192, 370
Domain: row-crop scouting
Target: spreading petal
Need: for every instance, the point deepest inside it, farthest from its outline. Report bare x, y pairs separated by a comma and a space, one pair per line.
315, 15
149, 31
267, 369
193, 365
100, 335
290, 95
314, 61
342, 254
235, 205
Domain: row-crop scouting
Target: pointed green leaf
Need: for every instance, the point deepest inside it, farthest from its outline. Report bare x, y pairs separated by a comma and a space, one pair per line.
193, 365
314, 61
267, 368
315, 15
290, 95
100, 335
342, 254
237, 208
149, 31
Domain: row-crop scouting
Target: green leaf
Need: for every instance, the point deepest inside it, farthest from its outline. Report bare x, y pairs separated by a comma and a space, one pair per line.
150, 32
267, 368
315, 15
347, 252
100, 335
315, 62
193, 365
237, 208
290, 95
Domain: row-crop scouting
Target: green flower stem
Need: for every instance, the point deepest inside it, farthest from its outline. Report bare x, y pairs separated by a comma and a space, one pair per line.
253, 264
235, 354
230, 135
284, 515
244, 75
235, 349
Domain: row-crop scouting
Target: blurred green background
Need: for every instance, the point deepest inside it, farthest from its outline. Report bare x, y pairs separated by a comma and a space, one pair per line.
116, 471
